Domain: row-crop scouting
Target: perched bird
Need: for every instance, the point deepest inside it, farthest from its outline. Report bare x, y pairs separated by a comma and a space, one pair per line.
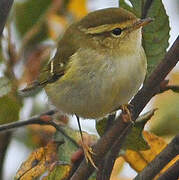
99, 65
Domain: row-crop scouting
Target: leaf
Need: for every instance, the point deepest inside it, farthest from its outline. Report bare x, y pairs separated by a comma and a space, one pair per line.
118, 166
28, 13
101, 126
60, 172
139, 159
156, 34
135, 140
78, 8
136, 6
28, 16
34, 62
175, 89
8, 103
56, 25
67, 150
9, 111
165, 121
104, 124
38, 162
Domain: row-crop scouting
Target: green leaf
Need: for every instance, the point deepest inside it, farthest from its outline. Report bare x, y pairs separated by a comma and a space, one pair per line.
175, 89
9, 104
30, 13
156, 34
60, 172
166, 120
9, 111
68, 148
135, 140
101, 126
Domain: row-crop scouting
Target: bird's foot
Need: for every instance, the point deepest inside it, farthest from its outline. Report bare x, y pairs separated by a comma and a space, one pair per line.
126, 114
88, 152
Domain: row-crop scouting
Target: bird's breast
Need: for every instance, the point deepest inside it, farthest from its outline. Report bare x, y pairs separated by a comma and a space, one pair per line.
95, 84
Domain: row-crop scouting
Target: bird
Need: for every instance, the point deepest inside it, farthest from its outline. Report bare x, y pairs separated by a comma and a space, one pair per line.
99, 66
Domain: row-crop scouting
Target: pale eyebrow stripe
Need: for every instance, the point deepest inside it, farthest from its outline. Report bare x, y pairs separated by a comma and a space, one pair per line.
106, 27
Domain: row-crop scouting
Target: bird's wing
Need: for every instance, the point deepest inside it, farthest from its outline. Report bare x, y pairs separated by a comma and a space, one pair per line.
55, 68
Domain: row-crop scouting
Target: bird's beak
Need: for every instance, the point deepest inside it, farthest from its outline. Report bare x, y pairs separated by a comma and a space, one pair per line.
141, 23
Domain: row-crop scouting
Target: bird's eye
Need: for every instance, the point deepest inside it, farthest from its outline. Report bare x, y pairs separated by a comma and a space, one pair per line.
116, 31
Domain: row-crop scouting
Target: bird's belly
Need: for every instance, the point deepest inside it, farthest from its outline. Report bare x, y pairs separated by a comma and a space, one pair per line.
99, 91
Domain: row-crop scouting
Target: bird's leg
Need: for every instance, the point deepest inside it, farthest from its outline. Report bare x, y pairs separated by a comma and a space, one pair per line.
88, 152
126, 113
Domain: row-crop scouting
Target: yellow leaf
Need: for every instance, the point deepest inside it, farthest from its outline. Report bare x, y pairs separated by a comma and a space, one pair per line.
38, 162
117, 168
139, 159
78, 8
167, 104
56, 25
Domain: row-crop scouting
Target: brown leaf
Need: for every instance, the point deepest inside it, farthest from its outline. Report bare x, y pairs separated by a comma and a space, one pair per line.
38, 162
34, 62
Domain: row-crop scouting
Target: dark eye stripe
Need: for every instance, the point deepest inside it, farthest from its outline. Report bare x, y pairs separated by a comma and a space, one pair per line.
117, 31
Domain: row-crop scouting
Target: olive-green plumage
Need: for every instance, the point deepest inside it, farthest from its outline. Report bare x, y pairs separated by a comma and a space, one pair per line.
99, 65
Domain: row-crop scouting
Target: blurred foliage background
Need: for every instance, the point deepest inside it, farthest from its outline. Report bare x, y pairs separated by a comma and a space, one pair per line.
29, 41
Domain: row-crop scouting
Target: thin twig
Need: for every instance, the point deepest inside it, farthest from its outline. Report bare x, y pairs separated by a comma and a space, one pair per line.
154, 167
5, 6
171, 173
138, 103
174, 88
146, 8
38, 120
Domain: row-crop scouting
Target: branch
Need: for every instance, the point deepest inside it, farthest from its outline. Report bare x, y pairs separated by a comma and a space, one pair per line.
114, 151
171, 173
146, 8
105, 172
5, 6
42, 119
154, 167
140, 100
4, 142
